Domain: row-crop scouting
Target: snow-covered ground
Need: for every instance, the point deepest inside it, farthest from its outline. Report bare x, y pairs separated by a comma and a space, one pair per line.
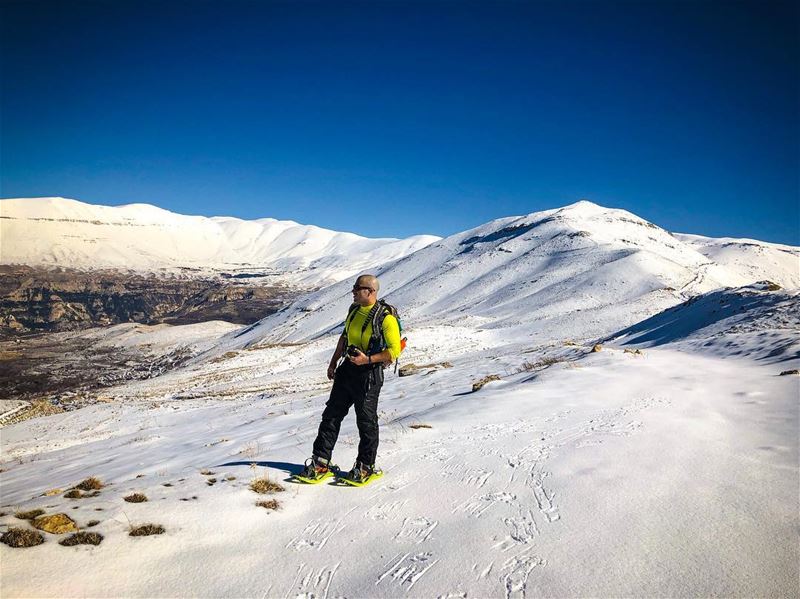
664, 473
665, 464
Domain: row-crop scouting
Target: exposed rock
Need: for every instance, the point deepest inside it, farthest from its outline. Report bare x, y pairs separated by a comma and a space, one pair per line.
36, 299
56, 524
597, 347
785, 372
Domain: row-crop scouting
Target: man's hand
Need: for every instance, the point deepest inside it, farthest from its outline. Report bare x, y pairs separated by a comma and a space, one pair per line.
331, 371
359, 359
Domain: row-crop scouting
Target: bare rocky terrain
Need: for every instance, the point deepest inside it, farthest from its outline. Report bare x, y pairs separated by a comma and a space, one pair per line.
50, 358
52, 372
46, 300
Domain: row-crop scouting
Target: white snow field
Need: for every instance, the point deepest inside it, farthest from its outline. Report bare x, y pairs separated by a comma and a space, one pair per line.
665, 464
57, 232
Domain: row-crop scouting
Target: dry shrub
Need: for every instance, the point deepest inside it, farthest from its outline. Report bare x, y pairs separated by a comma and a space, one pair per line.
271, 504
419, 426
29, 515
788, 372
412, 368
265, 485
92, 523
487, 379
136, 498
225, 356
230, 477
21, 537
90, 484
146, 530
206, 472
73, 494
596, 348
51, 492
539, 364
82, 538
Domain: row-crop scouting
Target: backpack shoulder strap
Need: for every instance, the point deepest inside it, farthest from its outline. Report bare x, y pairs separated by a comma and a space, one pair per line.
350, 315
370, 317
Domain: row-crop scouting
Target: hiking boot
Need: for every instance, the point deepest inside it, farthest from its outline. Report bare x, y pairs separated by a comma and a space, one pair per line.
360, 472
316, 468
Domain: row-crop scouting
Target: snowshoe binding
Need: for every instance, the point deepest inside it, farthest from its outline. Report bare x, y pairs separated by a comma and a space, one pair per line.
316, 470
361, 475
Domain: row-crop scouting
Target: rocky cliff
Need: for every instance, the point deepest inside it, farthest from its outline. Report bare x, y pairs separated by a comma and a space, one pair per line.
39, 300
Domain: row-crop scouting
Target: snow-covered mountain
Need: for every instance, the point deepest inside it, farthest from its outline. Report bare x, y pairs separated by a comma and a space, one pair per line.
143, 238
570, 472
582, 270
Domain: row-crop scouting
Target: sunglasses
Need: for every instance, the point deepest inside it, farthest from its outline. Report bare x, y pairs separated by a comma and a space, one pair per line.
362, 288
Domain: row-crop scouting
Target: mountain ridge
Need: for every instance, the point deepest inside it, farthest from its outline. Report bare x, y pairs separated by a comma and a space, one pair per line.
145, 238
582, 268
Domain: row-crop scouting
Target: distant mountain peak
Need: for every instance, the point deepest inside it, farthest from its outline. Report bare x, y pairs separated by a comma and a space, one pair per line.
142, 237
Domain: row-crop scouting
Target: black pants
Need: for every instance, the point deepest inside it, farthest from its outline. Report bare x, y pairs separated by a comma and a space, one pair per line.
357, 386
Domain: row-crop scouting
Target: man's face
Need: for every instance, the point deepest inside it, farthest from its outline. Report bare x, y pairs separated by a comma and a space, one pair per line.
363, 294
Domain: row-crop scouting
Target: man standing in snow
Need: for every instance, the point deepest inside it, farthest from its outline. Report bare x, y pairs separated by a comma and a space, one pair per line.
371, 338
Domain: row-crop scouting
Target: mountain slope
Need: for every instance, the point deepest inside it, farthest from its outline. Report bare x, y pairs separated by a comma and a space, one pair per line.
144, 238
754, 321
582, 270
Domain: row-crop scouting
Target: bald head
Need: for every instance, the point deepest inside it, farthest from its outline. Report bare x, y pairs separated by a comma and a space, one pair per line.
370, 281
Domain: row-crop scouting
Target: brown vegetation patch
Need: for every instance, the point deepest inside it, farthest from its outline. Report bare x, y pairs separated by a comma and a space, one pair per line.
21, 537
487, 379
415, 426
206, 472
82, 538
271, 504
146, 530
51, 492
265, 485
30, 515
90, 484
92, 523
73, 494
225, 356
596, 348
540, 364
136, 498
412, 368
635, 352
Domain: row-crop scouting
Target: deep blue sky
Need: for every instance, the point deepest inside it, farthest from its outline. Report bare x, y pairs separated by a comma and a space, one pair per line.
389, 118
